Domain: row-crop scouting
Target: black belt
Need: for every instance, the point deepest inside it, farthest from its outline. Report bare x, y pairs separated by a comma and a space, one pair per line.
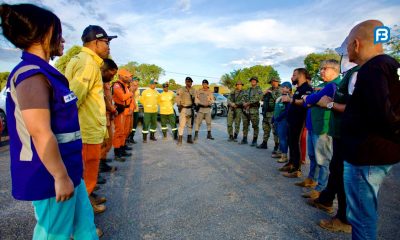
187, 106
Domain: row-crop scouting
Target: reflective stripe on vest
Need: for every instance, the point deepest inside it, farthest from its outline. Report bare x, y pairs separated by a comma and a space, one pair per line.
68, 137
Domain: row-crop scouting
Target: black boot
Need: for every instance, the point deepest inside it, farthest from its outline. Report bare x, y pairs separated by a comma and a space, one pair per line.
230, 138
196, 135
152, 137
275, 149
144, 137
175, 135
244, 140
254, 142
263, 145
118, 156
164, 133
179, 140
127, 148
235, 137
189, 139
100, 179
124, 153
130, 137
209, 136
104, 167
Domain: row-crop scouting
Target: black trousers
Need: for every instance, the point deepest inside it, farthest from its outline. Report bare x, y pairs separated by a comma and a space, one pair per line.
335, 184
294, 136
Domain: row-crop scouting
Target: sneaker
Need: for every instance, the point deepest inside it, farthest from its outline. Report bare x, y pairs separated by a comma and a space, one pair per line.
311, 194
96, 199
276, 155
283, 158
287, 167
99, 232
308, 182
292, 174
335, 225
324, 207
98, 208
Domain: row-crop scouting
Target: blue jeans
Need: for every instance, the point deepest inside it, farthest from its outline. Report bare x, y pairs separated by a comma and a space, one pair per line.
323, 150
312, 174
282, 130
361, 184
61, 220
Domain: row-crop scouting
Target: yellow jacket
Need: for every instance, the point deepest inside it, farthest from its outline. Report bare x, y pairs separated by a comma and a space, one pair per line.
136, 97
84, 76
166, 102
149, 100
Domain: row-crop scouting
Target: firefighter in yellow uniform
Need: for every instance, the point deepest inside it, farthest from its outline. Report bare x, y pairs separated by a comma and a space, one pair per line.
149, 99
166, 101
204, 100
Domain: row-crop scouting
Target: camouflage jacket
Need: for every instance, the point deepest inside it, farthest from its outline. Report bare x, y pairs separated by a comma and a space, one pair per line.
253, 96
269, 100
237, 97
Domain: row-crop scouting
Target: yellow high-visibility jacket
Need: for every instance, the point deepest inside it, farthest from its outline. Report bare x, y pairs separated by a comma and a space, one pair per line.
149, 100
166, 101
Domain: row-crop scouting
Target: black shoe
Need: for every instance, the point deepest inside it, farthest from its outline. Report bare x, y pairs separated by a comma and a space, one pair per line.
144, 137
230, 138
175, 134
189, 139
244, 140
125, 153
275, 151
100, 179
196, 135
254, 142
104, 167
263, 145
209, 136
127, 148
153, 137
118, 156
235, 137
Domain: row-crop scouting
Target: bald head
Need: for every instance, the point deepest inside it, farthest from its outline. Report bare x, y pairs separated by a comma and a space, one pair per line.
361, 45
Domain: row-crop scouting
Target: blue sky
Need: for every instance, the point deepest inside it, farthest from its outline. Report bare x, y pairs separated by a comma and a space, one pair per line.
206, 39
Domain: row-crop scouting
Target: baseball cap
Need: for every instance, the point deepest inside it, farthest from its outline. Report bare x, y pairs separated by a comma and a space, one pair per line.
152, 81
125, 73
253, 78
188, 79
94, 32
204, 81
165, 85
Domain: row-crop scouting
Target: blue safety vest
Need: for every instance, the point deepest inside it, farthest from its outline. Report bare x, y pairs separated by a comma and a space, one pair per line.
30, 179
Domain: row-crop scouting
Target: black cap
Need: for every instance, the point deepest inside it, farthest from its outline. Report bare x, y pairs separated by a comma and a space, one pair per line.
253, 78
188, 79
93, 32
204, 81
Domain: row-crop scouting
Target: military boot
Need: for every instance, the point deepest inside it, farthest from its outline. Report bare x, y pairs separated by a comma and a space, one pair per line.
144, 137
275, 149
189, 139
254, 142
153, 137
209, 136
124, 153
175, 135
230, 138
179, 140
127, 148
164, 133
118, 156
196, 135
263, 145
235, 137
244, 140
130, 137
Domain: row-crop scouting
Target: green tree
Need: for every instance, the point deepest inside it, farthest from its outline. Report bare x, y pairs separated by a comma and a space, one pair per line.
131, 67
173, 85
313, 61
393, 46
264, 74
62, 62
147, 72
3, 79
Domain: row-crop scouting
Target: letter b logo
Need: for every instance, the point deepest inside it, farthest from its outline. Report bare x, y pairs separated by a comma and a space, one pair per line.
381, 34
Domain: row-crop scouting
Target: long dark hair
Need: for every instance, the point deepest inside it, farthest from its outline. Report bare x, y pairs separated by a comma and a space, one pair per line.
26, 24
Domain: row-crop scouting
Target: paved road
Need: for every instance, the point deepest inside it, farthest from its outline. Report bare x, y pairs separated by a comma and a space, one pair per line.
209, 190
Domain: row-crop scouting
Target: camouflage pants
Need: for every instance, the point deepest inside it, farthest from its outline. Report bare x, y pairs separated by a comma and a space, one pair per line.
254, 118
234, 118
267, 127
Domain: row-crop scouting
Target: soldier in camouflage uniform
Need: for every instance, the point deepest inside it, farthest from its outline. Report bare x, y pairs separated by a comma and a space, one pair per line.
235, 111
269, 100
251, 112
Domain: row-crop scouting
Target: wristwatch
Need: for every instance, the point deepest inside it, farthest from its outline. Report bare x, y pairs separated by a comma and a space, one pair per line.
329, 105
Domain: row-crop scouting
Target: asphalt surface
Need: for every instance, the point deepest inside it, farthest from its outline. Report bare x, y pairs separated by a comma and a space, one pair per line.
209, 190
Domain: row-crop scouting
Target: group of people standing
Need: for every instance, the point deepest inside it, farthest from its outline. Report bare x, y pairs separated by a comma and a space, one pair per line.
352, 124
62, 127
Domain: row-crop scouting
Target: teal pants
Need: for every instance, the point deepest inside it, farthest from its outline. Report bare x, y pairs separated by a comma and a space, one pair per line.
168, 119
149, 123
61, 220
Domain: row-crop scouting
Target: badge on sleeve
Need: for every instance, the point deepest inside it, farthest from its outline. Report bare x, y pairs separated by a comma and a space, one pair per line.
69, 97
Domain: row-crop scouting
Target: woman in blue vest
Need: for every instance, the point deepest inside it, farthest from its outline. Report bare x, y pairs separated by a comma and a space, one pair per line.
45, 140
